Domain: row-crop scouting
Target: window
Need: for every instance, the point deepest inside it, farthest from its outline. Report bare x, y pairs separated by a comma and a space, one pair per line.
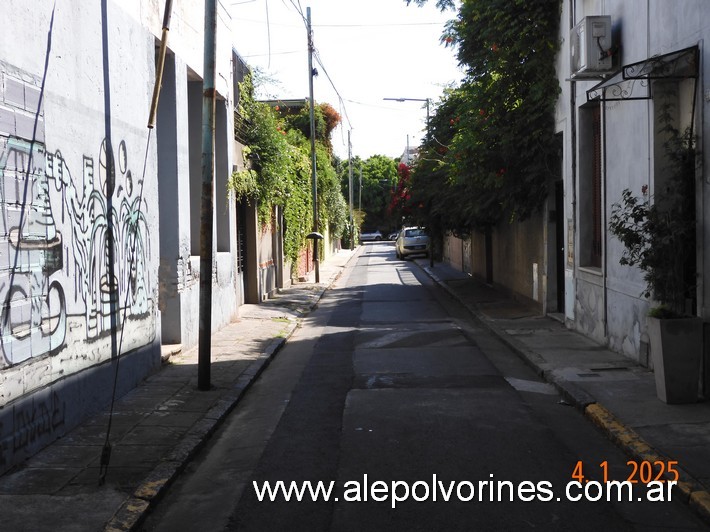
591, 221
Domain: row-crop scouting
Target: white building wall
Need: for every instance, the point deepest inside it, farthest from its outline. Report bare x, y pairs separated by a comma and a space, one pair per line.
76, 157
607, 301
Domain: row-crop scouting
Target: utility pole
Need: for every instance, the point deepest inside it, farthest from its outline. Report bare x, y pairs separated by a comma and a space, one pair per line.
359, 191
206, 212
316, 261
350, 192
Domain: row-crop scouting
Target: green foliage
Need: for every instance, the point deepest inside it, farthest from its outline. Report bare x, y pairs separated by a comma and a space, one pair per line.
332, 206
302, 121
326, 119
379, 179
441, 4
280, 173
245, 183
297, 201
489, 152
659, 236
662, 312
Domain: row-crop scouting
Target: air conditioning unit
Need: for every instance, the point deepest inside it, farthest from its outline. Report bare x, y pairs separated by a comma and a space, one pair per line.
590, 45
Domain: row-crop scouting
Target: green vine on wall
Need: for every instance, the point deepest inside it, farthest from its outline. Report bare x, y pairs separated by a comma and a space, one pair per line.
278, 174
277, 171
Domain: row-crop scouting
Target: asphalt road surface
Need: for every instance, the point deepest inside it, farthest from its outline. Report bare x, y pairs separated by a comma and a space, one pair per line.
419, 418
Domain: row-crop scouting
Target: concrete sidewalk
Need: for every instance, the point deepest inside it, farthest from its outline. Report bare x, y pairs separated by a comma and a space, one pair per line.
612, 390
156, 428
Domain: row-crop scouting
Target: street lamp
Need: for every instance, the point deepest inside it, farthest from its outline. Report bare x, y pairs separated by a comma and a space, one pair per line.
427, 100
431, 251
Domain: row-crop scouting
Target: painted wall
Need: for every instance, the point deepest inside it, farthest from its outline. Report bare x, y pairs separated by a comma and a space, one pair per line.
517, 257
179, 134
78, 216
454, 252
608, 305
98, 255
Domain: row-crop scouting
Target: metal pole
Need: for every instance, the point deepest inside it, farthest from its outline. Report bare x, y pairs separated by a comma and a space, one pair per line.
427, 119
359, 191
427, 100
350, 192
207, 208
313, 144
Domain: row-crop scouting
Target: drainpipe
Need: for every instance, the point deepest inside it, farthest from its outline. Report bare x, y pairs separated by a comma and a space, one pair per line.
161, 63
605, 271
573, 191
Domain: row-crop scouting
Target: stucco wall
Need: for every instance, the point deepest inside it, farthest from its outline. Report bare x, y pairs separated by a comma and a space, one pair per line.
76, 160
178, 134
518, 257
608, 304
453, 252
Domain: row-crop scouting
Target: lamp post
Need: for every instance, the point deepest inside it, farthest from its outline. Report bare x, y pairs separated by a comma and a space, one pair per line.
431, 251
427, 100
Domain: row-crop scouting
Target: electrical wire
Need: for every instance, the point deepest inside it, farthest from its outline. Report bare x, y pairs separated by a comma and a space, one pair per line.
383, 25
316, 55
340, 98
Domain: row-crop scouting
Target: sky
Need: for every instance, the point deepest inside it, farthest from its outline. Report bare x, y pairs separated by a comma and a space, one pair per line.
369, 50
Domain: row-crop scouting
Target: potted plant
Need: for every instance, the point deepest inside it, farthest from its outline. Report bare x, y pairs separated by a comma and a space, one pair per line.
659, 238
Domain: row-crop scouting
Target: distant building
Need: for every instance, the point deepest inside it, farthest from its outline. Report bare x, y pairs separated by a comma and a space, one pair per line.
409, 155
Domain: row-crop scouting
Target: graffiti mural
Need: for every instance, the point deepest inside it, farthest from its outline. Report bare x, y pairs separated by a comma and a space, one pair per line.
74, 246
101, 201
33, 314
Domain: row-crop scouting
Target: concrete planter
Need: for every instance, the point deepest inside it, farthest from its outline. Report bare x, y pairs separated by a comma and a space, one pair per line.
676, 351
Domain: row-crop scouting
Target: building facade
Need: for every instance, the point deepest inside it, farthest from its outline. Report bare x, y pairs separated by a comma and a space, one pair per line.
625, 67
99, 215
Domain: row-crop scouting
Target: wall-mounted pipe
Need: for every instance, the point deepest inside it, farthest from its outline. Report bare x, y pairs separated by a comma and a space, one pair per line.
161, 63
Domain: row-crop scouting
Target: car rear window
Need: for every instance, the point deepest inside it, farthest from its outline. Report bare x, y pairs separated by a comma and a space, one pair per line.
414, 232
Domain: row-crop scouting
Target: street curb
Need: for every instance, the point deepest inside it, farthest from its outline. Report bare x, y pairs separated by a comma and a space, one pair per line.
135, 509
690, 490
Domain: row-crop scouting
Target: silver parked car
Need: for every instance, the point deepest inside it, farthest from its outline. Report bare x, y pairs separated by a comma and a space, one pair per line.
412, 241
370, 236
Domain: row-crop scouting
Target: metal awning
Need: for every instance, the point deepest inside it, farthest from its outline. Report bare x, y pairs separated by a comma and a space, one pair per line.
632, 82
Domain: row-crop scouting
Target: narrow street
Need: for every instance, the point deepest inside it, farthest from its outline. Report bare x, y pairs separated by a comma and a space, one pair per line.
392, 388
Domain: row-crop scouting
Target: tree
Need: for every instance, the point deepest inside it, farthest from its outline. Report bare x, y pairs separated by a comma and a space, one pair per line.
496, 129
379, 177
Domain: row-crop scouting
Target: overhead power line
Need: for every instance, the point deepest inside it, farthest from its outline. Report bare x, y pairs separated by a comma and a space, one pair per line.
342, 101
383, 25
318, 59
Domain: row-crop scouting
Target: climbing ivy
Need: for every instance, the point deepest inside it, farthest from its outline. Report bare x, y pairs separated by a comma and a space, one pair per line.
279, 174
